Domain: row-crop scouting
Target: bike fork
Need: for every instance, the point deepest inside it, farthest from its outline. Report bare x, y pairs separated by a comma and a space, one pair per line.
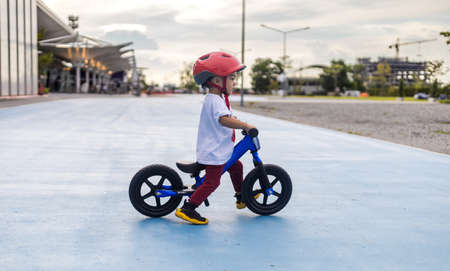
263, 180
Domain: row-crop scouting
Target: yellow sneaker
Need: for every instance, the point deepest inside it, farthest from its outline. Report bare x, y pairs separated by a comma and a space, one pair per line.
239, 203
188, 213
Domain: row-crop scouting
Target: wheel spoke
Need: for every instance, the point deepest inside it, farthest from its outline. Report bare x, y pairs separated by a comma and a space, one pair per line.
265, 199
275, 193
146, 196
274, 182
158, 201
160, 182
150, 185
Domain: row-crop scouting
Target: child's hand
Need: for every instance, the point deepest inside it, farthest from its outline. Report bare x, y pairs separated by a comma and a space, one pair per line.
233, 122
249, 126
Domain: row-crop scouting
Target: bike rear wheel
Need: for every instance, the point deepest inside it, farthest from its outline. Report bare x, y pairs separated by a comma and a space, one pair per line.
265, 204
146, 182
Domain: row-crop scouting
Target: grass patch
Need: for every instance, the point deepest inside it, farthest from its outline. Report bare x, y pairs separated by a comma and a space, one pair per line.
441, 132
354, 133
444, 101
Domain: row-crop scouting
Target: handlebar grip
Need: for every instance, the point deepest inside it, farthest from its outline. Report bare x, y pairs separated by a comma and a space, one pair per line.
252, 132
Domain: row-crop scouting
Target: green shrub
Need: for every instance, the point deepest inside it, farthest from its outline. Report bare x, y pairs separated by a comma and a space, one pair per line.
392, 92
401, 88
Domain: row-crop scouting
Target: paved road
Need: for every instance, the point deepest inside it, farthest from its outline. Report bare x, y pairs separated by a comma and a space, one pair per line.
358, 203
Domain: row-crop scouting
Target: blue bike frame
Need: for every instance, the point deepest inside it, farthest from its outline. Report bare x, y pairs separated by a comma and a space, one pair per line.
248, 143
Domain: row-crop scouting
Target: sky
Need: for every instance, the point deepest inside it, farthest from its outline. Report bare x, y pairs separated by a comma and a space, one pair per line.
168, 35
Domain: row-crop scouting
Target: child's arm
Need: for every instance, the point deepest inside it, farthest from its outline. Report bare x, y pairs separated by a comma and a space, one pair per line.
234, 123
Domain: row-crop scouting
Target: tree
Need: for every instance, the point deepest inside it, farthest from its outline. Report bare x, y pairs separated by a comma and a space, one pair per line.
401, 88
434, 89
44, 59
186, 77
435, 68
335, 76
342, 80
446, 34
357, 72
380, 80
327, 82
263, 73
446, 90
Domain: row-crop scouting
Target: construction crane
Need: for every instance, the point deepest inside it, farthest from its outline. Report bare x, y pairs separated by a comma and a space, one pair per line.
398, 44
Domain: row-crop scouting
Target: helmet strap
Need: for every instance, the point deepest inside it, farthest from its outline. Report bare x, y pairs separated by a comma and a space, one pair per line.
222, 89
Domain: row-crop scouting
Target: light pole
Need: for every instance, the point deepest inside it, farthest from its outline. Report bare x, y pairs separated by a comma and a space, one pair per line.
284, 38
243, 51
73, 23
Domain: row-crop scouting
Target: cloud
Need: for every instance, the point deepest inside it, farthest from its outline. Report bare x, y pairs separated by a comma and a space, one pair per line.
169, 33
140, 40
127, 27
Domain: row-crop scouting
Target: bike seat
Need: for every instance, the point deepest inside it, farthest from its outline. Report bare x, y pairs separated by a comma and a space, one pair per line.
190, 167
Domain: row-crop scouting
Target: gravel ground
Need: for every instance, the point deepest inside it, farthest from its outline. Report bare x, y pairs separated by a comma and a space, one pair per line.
422, 125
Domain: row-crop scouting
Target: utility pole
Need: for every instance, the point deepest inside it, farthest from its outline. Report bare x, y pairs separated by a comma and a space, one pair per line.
243, 52
284, 38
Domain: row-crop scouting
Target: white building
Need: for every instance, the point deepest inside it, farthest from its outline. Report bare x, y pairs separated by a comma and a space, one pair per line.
95, 61
18, 50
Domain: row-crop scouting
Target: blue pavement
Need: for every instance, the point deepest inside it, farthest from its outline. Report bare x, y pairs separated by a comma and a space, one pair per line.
357, 203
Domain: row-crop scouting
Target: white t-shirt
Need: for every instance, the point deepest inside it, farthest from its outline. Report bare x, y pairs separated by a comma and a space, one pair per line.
214, 141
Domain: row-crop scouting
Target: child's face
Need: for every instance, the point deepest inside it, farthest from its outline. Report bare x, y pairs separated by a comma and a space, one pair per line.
231, 80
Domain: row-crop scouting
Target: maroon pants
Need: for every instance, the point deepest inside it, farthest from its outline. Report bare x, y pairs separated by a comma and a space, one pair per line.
212, 181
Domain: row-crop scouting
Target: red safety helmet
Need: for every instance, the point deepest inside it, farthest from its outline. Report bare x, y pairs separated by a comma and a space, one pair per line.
215, 64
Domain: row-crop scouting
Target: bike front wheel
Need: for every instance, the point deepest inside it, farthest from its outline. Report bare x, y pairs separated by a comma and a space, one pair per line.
261, 202
144, 186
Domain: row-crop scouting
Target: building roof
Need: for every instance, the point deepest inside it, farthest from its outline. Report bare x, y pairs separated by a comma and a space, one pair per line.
69, 45
48, 21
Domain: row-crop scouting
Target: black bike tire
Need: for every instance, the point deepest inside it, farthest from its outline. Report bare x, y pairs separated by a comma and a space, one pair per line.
258, 208
135, 190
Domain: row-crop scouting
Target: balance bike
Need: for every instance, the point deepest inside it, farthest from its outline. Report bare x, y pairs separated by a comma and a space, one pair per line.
157, 190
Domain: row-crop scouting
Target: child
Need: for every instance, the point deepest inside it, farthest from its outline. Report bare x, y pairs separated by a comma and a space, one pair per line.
215, 140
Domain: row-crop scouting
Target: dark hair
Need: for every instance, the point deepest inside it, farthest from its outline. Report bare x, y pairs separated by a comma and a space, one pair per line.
205, 85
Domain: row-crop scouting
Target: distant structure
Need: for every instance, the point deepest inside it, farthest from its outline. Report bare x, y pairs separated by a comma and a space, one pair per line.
308, 85
401, 68
31, 33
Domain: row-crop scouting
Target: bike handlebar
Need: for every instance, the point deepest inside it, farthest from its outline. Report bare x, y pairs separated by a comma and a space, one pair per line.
252, 132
